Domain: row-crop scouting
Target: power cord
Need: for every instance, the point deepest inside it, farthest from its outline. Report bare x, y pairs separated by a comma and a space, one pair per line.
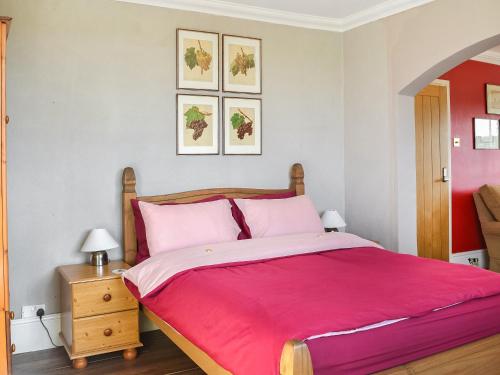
40, 313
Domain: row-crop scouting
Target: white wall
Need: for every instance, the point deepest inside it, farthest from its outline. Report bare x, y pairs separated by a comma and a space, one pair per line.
91, 89
384, 61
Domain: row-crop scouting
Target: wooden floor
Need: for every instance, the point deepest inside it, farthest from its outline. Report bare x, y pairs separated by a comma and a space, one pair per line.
159, 356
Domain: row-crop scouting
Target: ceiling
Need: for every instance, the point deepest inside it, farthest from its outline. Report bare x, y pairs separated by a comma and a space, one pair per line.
323, 8
332, 15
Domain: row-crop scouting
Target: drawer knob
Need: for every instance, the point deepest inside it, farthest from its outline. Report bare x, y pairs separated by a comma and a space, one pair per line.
107, 297
108, 332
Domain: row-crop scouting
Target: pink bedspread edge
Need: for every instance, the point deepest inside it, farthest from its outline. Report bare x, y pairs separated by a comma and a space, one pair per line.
397, 344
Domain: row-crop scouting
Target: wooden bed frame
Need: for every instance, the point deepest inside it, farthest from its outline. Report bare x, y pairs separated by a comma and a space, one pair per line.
479, 357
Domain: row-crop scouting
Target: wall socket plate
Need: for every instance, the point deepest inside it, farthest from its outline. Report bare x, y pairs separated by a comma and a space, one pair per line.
30, 311
473, 261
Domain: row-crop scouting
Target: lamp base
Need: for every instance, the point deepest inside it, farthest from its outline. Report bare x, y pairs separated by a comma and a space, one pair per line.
331, 230
99, 258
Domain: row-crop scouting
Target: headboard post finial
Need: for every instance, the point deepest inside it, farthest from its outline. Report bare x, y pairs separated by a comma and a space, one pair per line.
128, 193
297, 179
128, 180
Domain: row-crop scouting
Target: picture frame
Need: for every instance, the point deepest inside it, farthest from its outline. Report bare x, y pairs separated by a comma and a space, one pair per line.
241, 64
197, 125
242, 126
493, 99
486, 134
197, 60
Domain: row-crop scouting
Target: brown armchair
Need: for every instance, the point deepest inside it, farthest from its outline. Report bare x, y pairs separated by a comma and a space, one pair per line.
488, 209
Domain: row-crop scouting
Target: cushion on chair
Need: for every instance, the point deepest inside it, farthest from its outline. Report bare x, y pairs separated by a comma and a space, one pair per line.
491, 197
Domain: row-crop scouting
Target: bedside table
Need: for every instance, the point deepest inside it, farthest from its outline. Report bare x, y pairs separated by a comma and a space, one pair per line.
99, 314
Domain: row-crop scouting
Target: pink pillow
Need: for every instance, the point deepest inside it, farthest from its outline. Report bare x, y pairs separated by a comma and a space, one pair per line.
176, 227
276, 217
240, 219
140, 230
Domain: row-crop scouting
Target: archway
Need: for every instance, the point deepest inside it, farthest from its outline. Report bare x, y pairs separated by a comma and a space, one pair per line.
405, 148
447, 64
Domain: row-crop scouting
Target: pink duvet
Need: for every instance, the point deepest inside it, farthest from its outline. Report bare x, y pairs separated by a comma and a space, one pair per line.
242, 312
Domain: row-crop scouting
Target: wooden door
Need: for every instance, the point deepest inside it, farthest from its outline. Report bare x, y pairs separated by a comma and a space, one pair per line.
5, 348
432, 147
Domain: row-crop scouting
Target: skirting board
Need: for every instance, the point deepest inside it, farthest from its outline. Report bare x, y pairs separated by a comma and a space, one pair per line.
467, 256
28, 334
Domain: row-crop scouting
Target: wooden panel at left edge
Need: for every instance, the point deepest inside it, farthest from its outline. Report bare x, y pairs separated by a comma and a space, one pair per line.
5, 347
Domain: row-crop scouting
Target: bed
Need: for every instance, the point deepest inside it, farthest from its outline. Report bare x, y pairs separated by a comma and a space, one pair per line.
475, 348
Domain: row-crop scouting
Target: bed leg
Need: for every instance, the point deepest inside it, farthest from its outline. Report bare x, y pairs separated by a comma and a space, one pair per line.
295, 359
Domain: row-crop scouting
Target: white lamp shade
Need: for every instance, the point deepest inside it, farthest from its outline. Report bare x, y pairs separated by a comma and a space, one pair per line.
98, 240
332, 219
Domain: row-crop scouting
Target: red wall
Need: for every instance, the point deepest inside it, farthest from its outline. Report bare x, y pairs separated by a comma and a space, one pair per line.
470, 168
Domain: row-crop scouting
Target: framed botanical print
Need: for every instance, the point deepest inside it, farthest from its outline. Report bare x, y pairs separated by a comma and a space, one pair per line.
241, 64
242, 126
197, 125
493, 99
486, 134
197, 60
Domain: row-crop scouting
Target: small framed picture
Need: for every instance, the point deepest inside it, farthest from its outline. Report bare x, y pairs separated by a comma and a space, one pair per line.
197, 60
197, 125
493, 99
242, 126
242, 64
486, 134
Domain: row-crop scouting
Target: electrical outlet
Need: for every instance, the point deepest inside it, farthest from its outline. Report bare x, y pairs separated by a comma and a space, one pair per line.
473, 261
30, 311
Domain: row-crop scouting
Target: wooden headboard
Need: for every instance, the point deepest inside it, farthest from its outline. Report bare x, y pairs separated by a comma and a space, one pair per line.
129, 192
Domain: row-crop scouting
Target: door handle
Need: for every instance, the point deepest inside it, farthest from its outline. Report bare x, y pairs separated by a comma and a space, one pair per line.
444, 176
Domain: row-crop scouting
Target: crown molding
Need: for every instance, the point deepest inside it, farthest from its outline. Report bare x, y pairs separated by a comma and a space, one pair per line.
382, 10
229, 9
490, 57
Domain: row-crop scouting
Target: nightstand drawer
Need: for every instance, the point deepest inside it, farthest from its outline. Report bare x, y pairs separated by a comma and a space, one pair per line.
100, 297
105, 331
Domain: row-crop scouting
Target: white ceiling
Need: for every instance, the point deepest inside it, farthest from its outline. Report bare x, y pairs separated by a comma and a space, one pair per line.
323, 8
333, 15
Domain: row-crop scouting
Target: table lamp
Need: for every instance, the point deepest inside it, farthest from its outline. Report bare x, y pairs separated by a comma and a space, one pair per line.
332, 221
97, 242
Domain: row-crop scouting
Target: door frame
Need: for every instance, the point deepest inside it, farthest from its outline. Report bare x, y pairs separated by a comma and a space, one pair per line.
446, 84
5, 344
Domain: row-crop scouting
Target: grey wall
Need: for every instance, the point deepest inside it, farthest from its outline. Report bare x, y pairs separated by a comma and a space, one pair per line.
91, 89
368, 178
